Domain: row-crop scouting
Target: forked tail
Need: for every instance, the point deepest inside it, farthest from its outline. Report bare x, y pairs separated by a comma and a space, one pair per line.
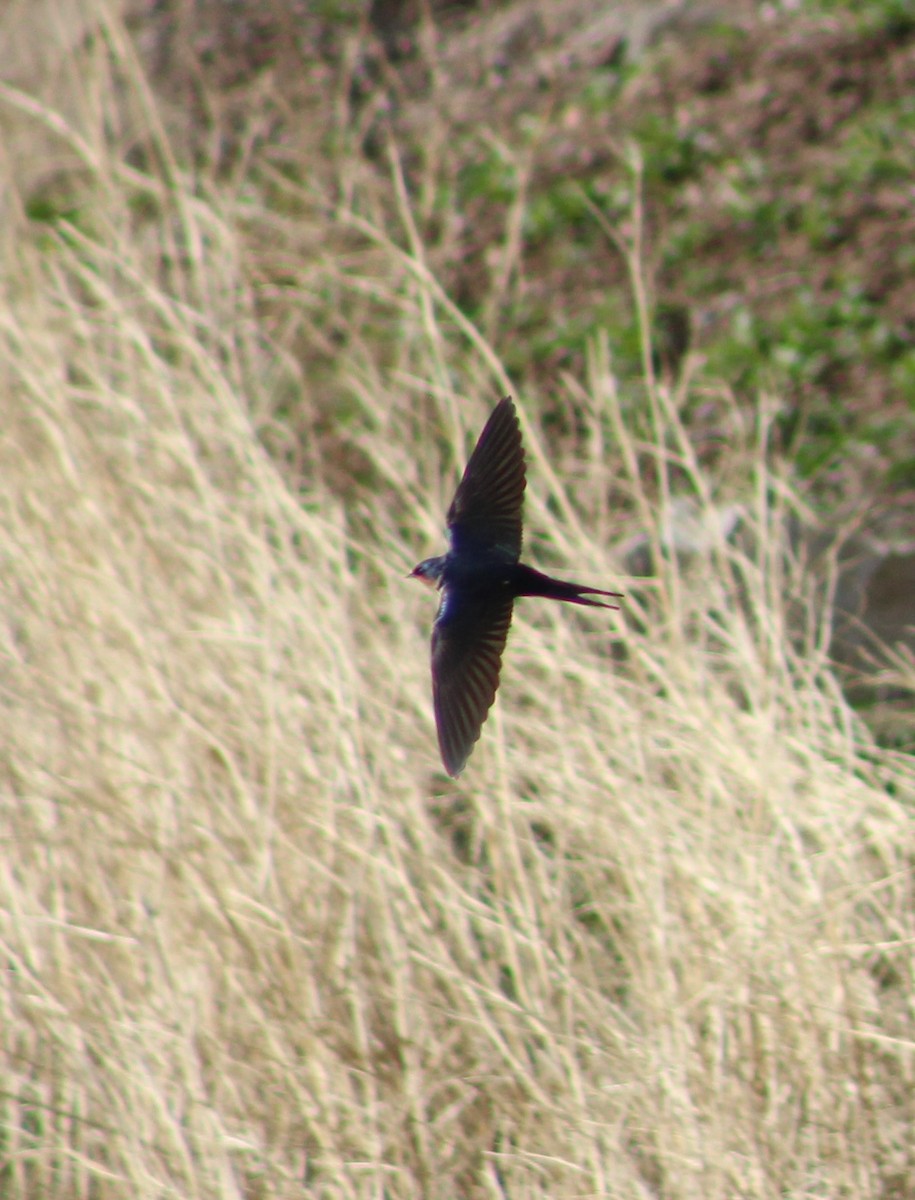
530, 582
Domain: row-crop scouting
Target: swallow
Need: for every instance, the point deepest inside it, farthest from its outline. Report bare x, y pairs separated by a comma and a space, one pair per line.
480, 578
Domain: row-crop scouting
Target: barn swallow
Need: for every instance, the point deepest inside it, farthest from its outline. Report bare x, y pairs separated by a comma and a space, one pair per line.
480, 578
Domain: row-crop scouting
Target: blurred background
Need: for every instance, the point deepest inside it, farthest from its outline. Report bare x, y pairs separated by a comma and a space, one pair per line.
265, 270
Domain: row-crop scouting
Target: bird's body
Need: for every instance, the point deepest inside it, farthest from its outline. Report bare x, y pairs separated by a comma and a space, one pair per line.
480, 578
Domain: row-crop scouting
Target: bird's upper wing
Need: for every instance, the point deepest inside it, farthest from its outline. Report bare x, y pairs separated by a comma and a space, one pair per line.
467, 643
485, 514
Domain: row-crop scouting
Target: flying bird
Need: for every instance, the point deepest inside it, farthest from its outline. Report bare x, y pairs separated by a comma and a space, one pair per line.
480, 578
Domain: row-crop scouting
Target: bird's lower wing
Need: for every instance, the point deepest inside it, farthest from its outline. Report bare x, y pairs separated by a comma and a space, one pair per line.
467, 643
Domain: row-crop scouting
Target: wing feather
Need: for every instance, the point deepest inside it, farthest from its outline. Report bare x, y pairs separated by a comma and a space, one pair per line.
485, 514
468, 639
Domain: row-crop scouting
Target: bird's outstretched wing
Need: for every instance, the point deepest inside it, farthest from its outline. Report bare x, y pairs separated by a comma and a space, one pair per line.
485, 514
467, 643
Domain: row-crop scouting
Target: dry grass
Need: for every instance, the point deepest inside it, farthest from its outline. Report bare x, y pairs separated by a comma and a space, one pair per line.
657, 941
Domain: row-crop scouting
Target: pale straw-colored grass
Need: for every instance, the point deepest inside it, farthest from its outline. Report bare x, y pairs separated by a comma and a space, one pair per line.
657, 940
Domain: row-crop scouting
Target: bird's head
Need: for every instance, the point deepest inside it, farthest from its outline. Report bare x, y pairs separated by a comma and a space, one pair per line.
429, 572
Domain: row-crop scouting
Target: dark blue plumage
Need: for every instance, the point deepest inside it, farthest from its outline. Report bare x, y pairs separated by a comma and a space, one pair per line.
480, 578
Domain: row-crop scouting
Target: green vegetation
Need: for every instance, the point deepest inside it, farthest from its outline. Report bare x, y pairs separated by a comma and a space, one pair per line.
656, 941
893, 17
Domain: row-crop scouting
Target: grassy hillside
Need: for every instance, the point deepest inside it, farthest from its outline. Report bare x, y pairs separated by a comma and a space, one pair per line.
656, 941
